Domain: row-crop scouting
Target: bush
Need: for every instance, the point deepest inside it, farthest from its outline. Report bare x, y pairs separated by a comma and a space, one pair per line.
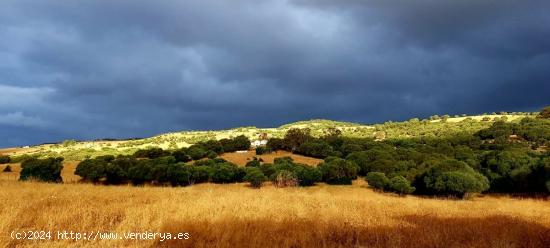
362, 160
178, 174
224, 173
181, 156
114, 173
507, 171
211, 155
7, 169
91, 169
238, 143
151, 153
377, 180
200, 174
349, 148
213, 146
141, 172
241, 142
205, 162
253, 163
196, 152
453, 177
46, 170
307, 175
295, 137
338, 171
255, 177
263, 150
459, 183
316, 148
267, 169
4, 159
275, 144
400, 185
284, 178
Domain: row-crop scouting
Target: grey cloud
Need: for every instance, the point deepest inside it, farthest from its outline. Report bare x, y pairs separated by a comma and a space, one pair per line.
92, 69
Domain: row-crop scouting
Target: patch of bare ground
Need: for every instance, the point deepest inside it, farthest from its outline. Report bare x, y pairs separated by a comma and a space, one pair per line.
242, 158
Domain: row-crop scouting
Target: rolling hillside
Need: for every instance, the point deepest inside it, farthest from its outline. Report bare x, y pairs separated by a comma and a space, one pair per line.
434, 127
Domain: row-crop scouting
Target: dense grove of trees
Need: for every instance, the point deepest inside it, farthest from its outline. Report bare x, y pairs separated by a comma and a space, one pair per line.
507, 157
46, 170
166, 170
210, 148
158, 171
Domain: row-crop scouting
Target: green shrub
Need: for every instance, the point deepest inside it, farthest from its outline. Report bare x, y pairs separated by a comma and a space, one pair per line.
267, 169
508, 171
114, 173
377, 180
275, 144
151, 153
307, 175
179, 174
212, 155
4, 159
253, 163
46, 170
459, 183
263, 150
224, 173
196, 152
400, 185
238, 143
452, 177
338, 171
316, 148
91, 169
200, 174
295, 137
362, 160
212, 146
255, 177
205, 162
141, 172
241, 143
181, 156
349, 148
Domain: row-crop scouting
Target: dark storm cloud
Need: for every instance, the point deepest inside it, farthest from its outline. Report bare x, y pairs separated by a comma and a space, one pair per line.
91, 69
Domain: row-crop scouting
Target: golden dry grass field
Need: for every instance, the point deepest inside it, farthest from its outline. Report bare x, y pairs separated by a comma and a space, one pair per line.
235, 215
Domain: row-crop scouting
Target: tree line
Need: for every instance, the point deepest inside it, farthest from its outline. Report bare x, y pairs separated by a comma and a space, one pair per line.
504, 158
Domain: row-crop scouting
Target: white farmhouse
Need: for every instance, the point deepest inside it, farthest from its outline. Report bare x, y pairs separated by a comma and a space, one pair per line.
257, 143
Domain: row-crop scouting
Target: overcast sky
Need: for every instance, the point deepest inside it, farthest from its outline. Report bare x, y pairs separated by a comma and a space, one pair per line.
92, 69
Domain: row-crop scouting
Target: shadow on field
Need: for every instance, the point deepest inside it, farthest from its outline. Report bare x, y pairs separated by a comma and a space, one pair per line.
415, 231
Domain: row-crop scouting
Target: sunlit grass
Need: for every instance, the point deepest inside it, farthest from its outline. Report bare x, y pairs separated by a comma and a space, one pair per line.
235, 215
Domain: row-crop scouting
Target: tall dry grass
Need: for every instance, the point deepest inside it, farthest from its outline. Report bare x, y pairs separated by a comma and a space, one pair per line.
237, 216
